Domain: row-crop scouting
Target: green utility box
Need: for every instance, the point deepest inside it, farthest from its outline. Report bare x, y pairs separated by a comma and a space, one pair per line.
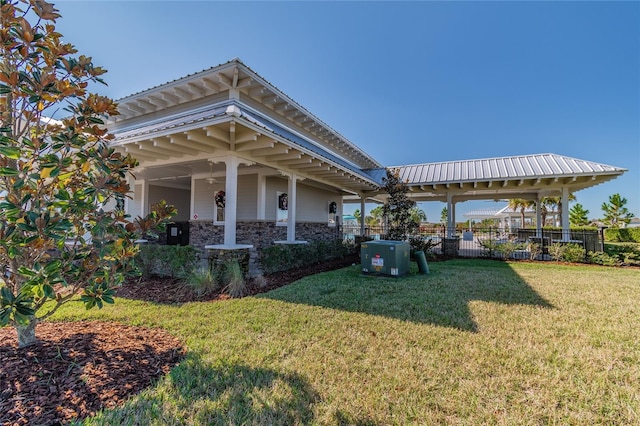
385, 258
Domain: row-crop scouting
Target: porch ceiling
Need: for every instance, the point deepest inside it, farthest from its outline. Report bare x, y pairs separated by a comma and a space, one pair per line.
216, 132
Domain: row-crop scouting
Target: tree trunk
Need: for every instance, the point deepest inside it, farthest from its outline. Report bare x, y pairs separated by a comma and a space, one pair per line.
27, 333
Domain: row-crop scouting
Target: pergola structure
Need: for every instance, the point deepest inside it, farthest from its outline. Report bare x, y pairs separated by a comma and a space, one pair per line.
529, 177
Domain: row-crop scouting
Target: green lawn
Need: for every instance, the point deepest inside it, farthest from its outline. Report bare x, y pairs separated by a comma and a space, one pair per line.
475, 342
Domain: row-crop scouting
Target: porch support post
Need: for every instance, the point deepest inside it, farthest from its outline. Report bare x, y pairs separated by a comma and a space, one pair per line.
231, 200
451, 216
192, 201
291, 211
262, 196
144, 199
362, 213
539, 217
566, 235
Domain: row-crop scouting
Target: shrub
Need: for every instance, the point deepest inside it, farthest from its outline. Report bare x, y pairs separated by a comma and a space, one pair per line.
602, 258
203, 281
627, 254
573, 253
508, 248
534, 249
567, 252
166, 261
424, 244
490, 247
622, 235
233, 279
556, 250
282, 257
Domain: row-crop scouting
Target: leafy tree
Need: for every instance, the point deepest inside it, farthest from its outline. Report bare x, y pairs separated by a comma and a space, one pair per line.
615, 212
58, 239
357, 215
397, 208
578, 216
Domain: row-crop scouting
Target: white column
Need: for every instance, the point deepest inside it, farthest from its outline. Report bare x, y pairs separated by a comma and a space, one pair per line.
539, 217
566, 235
192, 201
262, 197
291, 212
144, 199
231, 200
363, 213
451, 232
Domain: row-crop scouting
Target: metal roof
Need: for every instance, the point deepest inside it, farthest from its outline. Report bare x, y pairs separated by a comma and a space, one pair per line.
501, 168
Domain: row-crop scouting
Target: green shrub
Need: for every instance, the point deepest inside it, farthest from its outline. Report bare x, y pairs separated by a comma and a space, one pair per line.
233, 279
556, 251
203, 281
534, 249
626, 254
166, 261
507, 249
424, 244
622, 235
282, 257
490, 247
561, 252
573, 253
602, 258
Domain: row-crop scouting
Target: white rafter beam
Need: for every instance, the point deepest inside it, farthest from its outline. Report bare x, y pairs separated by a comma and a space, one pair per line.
167, 145
214, 132
251, 145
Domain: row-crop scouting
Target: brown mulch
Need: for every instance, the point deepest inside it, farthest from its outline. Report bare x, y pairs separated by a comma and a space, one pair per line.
171, 291
78, 368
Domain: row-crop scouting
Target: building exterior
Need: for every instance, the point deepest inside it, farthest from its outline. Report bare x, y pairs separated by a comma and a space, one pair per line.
247, 167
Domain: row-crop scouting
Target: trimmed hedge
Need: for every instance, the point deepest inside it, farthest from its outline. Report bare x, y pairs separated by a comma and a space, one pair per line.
166, 261
283, 257
622, 235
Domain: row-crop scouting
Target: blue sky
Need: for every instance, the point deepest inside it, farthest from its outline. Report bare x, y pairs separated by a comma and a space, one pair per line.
408, 82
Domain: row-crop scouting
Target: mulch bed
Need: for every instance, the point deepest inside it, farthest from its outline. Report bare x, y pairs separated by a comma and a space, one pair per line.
78, 368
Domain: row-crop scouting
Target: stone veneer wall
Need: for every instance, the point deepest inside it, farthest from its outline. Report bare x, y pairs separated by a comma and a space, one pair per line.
260, 234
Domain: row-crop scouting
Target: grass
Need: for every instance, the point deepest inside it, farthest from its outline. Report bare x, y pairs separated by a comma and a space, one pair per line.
475, 342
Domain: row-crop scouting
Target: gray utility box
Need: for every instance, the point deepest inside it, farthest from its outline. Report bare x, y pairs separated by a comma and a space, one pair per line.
385, 258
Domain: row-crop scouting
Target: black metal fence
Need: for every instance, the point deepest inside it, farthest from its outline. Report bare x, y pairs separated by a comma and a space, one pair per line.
546, 244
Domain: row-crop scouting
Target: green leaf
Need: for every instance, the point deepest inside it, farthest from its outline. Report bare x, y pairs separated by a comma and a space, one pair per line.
7, 296
5, 316
4, 89
10, 152
8, 171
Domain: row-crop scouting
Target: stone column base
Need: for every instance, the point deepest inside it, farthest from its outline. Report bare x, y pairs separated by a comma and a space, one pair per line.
450, 246
218, 257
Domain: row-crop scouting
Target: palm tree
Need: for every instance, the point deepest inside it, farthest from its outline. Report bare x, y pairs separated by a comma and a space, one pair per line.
556, 202
516, 204
417, 215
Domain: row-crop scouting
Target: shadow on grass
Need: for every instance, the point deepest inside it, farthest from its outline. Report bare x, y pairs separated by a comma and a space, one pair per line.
440, 298
197, 392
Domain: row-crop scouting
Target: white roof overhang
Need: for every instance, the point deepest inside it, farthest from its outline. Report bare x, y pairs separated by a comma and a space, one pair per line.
528, 177
231, 128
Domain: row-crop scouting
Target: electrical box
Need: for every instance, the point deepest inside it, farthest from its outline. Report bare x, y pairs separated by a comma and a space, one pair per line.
389, 258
